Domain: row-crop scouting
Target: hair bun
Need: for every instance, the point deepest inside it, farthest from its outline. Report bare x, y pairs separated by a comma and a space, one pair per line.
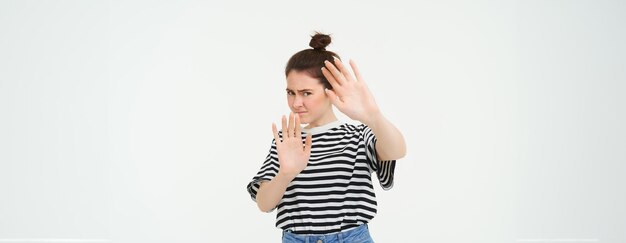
319, 41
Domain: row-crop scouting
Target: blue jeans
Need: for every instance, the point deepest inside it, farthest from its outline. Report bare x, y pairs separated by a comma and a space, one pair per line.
359, 234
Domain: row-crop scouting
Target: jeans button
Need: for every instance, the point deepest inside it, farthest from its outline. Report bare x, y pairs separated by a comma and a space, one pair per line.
319, 241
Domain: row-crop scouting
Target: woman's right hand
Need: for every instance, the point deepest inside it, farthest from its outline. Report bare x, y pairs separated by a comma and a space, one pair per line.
293, 156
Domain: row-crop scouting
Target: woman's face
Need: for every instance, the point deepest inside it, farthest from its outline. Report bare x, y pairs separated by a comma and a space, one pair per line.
306, 96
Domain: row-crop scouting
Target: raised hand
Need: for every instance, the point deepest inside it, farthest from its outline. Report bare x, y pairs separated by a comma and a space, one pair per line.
293, 156
350, 95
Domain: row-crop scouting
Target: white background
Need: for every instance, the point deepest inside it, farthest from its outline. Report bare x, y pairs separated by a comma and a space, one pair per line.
143, 121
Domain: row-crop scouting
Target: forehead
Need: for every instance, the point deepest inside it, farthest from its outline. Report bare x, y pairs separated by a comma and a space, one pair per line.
299, 80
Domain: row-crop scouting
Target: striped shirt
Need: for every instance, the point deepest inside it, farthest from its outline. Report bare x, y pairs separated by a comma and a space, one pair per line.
334, 192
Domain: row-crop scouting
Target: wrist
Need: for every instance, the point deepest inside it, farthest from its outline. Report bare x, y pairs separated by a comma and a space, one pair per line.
373, 119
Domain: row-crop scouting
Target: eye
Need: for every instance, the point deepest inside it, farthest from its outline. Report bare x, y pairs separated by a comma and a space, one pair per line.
289, 93
307, 93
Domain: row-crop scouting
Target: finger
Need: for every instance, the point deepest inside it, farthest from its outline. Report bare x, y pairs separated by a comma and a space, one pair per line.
284, 127
298, 128
335, 72
290, 127
329, 76
308, 143
356, 71
346, 73
275, 133
334, 98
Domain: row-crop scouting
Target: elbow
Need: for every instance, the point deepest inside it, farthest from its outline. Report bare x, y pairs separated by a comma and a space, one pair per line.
395, 156
391, 153
398, 157
264, 208
261, 207
262, 201
402, 153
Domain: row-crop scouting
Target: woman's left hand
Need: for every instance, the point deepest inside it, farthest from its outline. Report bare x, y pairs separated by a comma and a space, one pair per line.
351, 96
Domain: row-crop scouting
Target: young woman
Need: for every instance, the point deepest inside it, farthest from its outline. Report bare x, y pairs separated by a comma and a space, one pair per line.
319, 176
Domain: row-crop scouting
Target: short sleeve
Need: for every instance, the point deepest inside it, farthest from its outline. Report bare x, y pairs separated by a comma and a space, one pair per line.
267, 172
384, 168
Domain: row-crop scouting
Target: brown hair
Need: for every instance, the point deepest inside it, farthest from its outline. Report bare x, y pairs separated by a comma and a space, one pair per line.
312, 60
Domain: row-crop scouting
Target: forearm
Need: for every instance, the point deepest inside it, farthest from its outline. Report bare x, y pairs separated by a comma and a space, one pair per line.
270, 192
390, 144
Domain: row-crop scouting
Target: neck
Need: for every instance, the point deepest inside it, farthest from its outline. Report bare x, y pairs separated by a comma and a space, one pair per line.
328, 118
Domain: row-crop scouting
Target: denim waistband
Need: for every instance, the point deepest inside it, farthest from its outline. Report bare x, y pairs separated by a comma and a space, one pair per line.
332, 237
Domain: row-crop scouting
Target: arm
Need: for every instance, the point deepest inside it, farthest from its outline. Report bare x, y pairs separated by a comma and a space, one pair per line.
270, 192
293, 157
390, 144
352, 96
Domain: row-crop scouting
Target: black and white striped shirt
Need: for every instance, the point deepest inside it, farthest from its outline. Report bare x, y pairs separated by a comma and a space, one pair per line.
334, 192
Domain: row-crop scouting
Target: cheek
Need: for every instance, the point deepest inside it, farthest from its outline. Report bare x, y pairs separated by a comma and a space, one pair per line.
321, 101
316, 102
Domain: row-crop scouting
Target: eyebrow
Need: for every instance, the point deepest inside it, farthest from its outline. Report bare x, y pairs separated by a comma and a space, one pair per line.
302, 90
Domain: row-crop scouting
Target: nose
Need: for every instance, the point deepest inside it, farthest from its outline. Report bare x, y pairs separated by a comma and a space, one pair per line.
297, 101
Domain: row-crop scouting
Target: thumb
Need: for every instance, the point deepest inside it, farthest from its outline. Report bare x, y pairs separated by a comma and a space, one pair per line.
334, 98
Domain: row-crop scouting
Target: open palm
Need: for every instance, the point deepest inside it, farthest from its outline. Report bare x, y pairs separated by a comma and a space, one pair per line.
293, 156
350, 95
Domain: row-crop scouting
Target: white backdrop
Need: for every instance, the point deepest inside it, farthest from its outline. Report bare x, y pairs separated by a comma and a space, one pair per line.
143, 121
